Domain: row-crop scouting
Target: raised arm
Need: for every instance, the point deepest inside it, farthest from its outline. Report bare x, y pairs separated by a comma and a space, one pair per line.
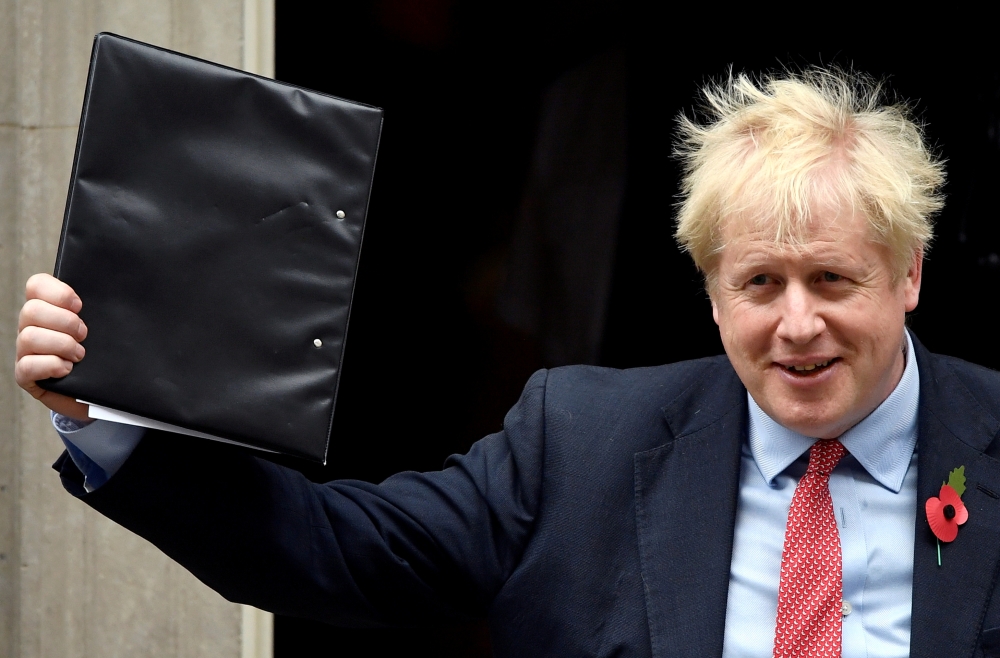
417, 548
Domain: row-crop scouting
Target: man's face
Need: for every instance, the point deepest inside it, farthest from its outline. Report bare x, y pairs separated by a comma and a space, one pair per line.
814, 332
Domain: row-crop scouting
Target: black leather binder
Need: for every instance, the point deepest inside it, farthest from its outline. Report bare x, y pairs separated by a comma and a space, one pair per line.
212, 230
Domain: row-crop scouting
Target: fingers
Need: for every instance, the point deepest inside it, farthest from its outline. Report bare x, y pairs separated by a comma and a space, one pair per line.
50, 289
39, 313
35, 367
35, 340
49, 332
31, 369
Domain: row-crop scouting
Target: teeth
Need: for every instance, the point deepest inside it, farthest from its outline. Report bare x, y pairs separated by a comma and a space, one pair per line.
811, 366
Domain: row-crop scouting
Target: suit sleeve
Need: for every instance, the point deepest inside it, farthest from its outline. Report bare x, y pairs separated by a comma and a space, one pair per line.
417, 548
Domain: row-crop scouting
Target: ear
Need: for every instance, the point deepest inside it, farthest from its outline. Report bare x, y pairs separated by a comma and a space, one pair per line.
711, 284
911, 282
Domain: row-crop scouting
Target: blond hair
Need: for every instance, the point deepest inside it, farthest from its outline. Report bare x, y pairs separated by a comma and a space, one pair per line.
772, 149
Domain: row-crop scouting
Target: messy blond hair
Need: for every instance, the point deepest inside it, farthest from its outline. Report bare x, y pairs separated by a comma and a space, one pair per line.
771, 149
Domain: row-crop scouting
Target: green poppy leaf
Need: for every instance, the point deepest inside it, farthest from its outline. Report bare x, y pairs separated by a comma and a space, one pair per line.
956, 480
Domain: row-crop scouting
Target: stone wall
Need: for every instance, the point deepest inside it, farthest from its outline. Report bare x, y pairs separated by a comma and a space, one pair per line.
72, 583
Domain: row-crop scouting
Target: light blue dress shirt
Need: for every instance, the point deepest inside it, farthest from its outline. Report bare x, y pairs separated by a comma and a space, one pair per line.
874, 491
874, 497
97, 447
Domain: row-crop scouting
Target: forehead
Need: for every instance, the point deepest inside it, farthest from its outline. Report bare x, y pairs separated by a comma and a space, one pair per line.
830, 235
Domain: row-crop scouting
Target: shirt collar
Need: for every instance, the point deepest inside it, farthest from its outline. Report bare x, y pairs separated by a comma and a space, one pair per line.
883, 442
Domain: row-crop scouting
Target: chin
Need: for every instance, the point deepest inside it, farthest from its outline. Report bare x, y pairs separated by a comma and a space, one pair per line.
818, 425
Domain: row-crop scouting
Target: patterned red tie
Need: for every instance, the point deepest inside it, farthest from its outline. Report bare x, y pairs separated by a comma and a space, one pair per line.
811, 589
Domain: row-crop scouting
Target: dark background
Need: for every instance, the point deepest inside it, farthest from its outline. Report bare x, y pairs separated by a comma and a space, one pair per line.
431, 365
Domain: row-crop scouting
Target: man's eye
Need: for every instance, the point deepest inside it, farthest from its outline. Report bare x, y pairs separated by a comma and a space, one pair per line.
759, 280
830, 277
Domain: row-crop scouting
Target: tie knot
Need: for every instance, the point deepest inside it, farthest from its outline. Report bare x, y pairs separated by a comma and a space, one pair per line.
824, 456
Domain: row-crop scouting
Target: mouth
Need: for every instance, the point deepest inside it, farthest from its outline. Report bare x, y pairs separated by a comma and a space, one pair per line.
809, 369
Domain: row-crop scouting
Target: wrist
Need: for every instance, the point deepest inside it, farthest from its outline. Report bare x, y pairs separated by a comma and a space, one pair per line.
66, 406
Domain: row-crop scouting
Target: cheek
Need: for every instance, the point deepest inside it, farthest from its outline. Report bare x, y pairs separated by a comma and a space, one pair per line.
874, 333
745, 328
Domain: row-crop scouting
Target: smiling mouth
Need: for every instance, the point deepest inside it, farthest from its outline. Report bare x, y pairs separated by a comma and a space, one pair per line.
811, 368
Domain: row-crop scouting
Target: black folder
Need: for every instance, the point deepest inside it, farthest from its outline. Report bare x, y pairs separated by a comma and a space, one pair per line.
212, 229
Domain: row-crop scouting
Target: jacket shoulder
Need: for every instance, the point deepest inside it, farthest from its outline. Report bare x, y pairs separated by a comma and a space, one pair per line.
981, 382
633, 404
659, 385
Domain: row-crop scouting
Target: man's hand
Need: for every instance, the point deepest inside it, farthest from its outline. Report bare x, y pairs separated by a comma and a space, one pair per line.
49, 333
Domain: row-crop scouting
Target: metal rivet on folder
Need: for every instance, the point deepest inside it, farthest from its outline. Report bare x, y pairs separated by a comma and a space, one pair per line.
341, 214
318, 343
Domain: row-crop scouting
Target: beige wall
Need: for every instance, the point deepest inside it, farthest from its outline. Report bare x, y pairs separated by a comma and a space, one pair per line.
72, 583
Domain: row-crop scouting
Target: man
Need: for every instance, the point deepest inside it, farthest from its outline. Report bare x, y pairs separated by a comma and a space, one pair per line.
768, 502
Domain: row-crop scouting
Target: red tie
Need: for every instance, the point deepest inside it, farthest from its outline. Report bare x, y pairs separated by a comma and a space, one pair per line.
810, 592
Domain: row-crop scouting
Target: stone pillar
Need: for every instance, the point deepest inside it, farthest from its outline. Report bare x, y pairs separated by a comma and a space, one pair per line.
73, 584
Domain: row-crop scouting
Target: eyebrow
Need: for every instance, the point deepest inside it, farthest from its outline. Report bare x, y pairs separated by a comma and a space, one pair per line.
758, 260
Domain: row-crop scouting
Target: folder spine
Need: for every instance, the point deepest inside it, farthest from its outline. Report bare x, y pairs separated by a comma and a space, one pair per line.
76, 153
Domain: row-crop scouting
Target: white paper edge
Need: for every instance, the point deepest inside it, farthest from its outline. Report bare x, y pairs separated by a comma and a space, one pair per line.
98, 412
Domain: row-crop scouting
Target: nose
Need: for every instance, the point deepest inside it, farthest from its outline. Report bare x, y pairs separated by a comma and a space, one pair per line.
800, 318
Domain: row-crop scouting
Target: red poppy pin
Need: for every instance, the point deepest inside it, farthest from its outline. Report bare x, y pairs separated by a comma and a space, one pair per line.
947, 511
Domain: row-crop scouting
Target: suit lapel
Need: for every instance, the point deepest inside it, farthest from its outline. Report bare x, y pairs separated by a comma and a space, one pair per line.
953, 430
685, 497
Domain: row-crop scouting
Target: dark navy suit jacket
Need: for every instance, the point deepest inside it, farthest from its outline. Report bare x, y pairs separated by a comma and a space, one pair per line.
599, 522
